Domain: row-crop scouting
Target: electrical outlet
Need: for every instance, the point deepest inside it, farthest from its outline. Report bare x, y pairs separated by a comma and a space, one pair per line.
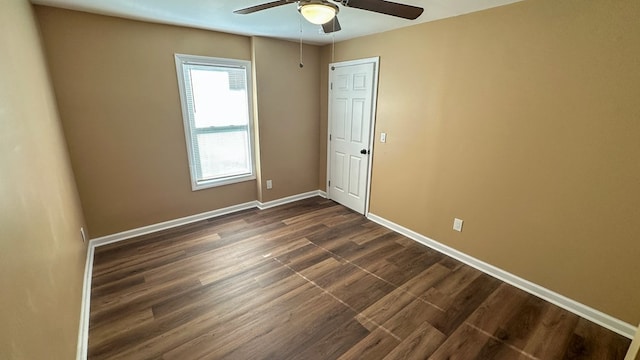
269, 184
383, 137
457, 224
84, 236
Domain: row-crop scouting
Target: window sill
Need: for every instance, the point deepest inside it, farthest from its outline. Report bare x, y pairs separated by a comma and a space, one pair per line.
207, 184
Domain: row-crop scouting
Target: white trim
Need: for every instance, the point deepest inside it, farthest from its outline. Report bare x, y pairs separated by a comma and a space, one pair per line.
372, 129
327, 181
104, 240
373, 59
322, 194
633, 351
109, 239
564, 302
288, 199
85, 311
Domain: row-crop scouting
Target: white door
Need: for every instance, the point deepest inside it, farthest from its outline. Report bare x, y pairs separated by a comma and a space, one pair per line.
352, 92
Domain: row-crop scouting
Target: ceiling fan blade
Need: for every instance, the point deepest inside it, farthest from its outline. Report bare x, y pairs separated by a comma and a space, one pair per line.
264, 6
386, 7
332, 26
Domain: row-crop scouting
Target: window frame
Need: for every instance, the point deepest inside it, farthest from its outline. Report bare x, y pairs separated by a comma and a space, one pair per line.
189, 122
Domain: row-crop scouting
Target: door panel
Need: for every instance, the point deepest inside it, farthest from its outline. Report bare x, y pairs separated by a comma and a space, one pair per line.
351, 116
354, 176
340, 115
357, 122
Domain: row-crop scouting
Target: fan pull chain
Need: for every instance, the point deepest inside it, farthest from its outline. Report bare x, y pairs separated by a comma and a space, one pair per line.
300, 23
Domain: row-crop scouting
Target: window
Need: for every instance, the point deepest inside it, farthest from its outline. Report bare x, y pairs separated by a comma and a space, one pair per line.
216, 108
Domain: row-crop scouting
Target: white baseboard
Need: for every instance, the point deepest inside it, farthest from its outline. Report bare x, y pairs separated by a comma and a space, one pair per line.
288, 199
83, 332
575, 307
109, 239
634, 348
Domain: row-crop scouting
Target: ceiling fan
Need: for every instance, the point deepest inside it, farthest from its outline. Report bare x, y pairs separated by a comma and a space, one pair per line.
323, 12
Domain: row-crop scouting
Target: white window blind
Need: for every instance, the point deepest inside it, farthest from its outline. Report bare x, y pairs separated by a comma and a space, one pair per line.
216, 108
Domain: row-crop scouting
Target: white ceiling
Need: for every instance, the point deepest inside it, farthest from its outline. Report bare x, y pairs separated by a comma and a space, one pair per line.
281, 22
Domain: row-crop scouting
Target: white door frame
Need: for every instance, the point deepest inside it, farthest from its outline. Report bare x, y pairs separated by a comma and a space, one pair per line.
372, 130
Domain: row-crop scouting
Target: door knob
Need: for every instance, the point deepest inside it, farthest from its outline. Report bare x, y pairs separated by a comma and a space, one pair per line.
364, 151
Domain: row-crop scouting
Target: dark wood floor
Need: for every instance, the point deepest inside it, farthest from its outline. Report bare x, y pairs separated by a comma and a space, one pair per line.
313, 280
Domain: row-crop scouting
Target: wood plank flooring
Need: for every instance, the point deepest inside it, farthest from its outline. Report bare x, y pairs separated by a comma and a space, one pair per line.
314, 280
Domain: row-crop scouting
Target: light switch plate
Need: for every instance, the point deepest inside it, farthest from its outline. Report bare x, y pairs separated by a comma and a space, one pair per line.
269, 184
383, 137
457, 224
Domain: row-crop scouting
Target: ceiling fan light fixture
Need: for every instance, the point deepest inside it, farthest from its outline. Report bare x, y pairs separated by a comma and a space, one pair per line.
317, 12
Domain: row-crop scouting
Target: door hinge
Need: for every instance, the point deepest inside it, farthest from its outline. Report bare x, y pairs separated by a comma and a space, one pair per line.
329, 137
329, 183
331, 86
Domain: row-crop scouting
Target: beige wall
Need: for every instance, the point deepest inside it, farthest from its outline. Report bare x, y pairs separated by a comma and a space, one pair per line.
115, 82
288, 116
524, 121
41, 252
116, 87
